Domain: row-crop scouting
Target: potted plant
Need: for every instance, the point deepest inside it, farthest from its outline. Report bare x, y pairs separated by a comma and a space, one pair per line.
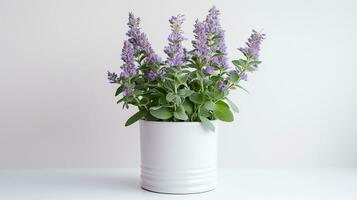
180, 99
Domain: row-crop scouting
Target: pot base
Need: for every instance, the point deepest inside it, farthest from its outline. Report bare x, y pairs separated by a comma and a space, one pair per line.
177, 193
179, 181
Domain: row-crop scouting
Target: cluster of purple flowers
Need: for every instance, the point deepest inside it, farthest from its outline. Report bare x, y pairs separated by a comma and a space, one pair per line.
112, 77
128, 68
126, 91
175, 50
253, 45
139, 40
152, 75
221, 86
214, 30
200, 43
209, 70
211, 54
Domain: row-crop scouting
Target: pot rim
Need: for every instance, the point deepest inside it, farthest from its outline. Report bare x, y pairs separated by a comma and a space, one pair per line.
168, 122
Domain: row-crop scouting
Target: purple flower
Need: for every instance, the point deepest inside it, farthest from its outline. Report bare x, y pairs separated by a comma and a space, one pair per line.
222, 87
244, 76
129, 68
234, 71
215, 32
126, 91
151, 76
201, 48
140, 41
209, 70
113, 77
175, 51
161, 74
253, 45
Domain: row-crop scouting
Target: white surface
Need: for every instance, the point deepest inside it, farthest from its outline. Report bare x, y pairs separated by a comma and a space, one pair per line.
123, 184
178, 157
58, 110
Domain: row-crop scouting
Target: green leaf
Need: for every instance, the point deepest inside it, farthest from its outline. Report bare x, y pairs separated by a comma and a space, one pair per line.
234, 78
180, 113
239, 63
255, 62
120, 100
188, 107
207, 82
250, 68
196, 98
178, 100
119, 90
185, 93
161, 113
207, 123
182, 79
215, 78
137, 116
233, 105
144, 101
223, 112
209, 105
168, 85
170, 97
204, 113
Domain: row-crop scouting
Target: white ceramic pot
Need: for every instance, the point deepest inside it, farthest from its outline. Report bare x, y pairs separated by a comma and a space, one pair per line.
178, 157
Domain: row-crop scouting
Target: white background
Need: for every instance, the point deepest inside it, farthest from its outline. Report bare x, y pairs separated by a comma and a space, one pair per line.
57, 109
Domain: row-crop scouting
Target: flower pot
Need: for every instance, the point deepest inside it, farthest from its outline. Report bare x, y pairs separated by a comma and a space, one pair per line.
178, 157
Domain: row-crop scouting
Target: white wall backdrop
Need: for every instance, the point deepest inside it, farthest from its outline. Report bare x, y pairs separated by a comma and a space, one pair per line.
57, 109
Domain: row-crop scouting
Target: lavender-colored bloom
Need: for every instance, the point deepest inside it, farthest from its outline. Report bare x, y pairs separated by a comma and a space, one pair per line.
127, 54
129, 68
113, 77
209, 70
175, 51
244, 76
140, 41
222, 87
253, 45
151, 76
200, 44
234, 71
214, 30
161, 74
126, 91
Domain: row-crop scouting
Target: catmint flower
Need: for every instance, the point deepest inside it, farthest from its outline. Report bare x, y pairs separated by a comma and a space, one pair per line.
234, 71
222, 87
175, 51
214, 30
244, 76
161, 74
253, 45
209, 70
200, 44
113, 77
140, 41
151, 76
129, 68
126, 91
